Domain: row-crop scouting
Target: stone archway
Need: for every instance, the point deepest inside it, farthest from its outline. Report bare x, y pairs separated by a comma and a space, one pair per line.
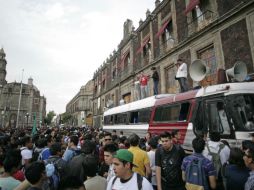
89, 120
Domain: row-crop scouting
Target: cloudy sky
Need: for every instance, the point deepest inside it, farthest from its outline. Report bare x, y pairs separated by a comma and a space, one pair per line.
60, 43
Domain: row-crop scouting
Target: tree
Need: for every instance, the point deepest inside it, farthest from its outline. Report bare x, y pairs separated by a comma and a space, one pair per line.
49, 117
66, 117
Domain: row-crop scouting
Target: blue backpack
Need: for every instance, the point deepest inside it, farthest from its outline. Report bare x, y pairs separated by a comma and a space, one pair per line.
52, 174
195, 175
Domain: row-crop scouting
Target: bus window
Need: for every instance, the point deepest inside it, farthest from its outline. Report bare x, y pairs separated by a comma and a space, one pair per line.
217, 118
243, 107
144, 115
121, 118
107, 120
134, 117
172, 113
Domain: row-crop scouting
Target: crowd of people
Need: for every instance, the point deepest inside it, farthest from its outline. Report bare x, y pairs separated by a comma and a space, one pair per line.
92, 159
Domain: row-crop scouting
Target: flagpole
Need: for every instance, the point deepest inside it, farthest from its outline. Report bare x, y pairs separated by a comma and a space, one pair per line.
20, 94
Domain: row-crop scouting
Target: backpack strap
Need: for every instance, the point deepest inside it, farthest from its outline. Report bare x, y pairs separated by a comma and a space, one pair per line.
114, 180
221, 146
139, 181
208, 148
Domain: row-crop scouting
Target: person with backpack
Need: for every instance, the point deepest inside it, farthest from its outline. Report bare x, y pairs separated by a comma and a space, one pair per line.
168, 161
197, 171
72, 149
125, 178
60, 164
36, 175
218, 153
75, 166
45, 153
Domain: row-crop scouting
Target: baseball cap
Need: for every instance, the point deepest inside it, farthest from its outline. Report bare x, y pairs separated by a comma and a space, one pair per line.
124, 155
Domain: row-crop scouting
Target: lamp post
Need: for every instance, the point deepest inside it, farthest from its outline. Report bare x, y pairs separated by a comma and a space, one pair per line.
27, 116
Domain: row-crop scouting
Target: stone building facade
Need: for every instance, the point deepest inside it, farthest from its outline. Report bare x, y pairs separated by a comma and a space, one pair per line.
32, 104
219, 32
80, 107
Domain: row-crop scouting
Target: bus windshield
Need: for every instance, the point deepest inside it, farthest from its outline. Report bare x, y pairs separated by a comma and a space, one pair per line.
243, 109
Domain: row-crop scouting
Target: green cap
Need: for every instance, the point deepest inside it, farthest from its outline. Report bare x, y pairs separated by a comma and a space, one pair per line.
124, 155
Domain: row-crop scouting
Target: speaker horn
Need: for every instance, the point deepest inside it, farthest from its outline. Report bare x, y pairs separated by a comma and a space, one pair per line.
198, 70
238, 71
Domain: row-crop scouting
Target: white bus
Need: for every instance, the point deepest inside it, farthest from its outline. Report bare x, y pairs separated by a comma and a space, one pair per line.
131, 117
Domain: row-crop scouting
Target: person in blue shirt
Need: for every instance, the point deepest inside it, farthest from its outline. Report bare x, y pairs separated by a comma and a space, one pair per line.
235, 172
198, 145
72, 149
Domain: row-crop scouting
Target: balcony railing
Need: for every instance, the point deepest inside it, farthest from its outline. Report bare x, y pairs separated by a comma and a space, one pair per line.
200, 22
167, 45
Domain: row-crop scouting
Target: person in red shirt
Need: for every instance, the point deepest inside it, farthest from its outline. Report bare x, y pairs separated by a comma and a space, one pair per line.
143, 85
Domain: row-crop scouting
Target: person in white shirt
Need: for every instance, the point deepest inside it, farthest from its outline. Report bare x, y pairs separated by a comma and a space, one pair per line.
153, 143
26, 150
181, 75
214, 146
125, 178
109, 152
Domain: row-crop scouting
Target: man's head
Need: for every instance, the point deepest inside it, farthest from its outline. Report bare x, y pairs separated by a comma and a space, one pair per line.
27, 142
12, 161
198, 145
166, 140
123, 163
55, 149
176, 134
134, 139
214, 136
179, 61
73, 141
246, 144
109, 152
35, 173
153, 143
107, 138
249, 158
88, 147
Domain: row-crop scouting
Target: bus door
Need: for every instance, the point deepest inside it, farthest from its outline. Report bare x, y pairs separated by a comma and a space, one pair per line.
242, 111
217, 117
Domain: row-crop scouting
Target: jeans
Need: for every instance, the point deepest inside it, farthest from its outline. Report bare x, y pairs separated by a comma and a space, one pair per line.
144, 91
183, 84
155, 87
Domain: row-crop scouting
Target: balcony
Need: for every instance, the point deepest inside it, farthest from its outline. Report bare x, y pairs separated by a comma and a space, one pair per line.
167, 45
200, 22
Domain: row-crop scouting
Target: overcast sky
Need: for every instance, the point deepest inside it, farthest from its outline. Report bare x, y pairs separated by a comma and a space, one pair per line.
60, 43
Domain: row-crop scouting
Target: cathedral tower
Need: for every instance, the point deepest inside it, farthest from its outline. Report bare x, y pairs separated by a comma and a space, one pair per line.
2, 68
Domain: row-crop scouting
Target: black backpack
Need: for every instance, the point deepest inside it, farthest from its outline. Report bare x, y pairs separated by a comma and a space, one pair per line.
139, 181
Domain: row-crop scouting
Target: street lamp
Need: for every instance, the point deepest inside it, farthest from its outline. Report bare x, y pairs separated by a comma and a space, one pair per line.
27, 116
